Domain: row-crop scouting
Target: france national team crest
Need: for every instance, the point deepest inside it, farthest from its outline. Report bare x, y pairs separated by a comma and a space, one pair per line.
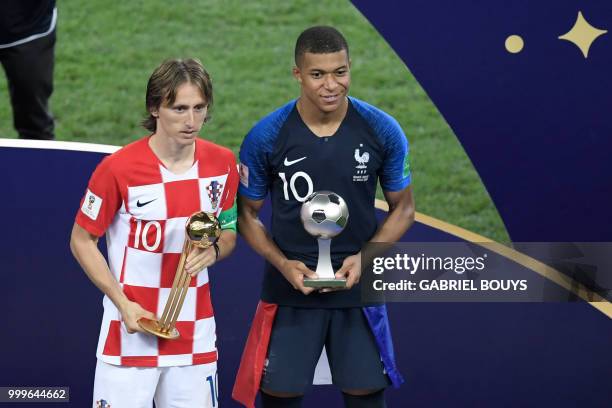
362, 160
214, 192
102, 404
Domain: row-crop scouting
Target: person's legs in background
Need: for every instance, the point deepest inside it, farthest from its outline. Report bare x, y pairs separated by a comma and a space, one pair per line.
29, 71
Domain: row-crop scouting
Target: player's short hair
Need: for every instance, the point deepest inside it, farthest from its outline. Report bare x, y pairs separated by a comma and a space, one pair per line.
319, 40
167, 78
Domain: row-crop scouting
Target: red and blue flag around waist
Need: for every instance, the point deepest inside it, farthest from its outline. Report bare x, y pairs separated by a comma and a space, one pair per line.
248, 379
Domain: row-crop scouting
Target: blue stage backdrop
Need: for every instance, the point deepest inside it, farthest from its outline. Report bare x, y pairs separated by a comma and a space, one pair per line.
535, 121
452, 354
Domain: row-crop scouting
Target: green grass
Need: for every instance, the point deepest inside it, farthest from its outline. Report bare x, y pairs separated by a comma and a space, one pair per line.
107, 50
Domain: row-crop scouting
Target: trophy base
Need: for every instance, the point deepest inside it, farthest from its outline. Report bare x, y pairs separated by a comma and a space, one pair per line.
325, 283
152, 327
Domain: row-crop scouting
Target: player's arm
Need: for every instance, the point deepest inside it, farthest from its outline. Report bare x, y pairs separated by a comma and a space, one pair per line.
228, 220
84, 247
398, 220
255, 233
400, 216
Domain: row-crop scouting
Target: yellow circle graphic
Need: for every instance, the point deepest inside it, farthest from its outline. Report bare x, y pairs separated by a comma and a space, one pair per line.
514, 44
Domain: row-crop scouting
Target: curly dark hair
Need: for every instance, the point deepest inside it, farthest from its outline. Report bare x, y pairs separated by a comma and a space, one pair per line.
319, 40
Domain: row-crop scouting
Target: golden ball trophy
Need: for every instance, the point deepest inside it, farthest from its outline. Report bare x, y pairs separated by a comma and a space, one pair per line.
202, 231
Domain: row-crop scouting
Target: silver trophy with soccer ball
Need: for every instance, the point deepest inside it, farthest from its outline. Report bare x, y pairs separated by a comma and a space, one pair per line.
324, 215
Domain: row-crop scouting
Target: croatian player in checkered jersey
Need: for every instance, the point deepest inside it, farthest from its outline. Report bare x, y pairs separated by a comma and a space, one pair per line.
140, 197
324, 140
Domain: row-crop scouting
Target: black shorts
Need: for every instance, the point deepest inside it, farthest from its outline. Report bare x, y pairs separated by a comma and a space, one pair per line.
296, 342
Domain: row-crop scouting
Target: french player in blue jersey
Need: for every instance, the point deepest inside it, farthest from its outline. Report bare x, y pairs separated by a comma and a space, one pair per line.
324, 140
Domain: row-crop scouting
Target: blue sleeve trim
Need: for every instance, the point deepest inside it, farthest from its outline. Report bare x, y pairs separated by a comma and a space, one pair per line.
244, 191
255, 150
395, 174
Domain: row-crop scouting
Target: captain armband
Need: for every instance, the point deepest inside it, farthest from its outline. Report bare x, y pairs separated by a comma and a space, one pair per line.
228, 218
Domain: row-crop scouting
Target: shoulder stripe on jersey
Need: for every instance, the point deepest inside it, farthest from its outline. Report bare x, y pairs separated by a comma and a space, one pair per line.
255, 149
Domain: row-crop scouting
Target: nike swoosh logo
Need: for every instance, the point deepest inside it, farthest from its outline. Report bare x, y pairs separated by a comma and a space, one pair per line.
289, 163
139, 204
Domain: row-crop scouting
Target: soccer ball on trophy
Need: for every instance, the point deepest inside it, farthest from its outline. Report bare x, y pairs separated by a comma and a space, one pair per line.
324, 215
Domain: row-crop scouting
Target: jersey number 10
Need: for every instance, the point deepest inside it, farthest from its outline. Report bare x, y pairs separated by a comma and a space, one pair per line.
140, 236
291, 185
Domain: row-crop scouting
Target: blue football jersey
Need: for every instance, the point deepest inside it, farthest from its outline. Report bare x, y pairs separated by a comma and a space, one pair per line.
281, 155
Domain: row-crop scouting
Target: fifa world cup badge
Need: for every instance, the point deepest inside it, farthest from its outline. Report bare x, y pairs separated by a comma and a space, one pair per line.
91, 201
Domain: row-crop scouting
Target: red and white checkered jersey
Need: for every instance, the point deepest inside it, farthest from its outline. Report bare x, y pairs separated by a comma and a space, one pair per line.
143, 208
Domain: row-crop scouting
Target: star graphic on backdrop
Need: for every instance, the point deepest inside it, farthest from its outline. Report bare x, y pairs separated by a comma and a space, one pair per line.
582, 34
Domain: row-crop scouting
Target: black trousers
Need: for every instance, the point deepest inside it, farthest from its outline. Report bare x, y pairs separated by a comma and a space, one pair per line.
29, 71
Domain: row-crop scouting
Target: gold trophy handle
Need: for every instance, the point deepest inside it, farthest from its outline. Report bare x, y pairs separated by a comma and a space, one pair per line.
165, 327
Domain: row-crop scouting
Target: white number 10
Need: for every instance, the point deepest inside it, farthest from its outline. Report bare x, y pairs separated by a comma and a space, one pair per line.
291, 184
141, 235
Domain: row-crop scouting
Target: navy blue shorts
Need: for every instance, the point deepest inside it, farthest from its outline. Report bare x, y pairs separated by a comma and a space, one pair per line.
298, 337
